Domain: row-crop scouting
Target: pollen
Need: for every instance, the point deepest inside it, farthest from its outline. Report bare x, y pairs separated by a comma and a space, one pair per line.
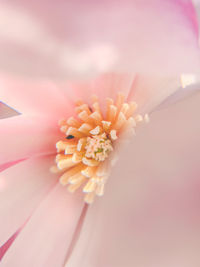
88, 148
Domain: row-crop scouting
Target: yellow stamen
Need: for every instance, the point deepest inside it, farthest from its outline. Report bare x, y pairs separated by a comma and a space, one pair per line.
85, 128
112, 112
73, 122
85, 155
89, 171
74, 132
89, 198
100, 189
73, 171
90, 186
121, 119
120, 100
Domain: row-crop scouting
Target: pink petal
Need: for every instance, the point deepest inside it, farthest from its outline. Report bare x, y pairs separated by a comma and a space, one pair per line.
22, 188
149, 215
105, 85
180, 95
9, 164
46, 237
28, 96
148, 91
98, 36
24, 136
8, 243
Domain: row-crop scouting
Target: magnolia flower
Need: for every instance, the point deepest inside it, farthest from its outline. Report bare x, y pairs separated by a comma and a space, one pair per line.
40, 220
42, 207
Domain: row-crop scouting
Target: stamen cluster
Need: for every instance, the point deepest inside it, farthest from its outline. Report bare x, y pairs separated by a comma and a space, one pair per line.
87, 150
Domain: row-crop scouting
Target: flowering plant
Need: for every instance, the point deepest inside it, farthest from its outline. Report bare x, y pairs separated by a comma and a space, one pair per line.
142, 61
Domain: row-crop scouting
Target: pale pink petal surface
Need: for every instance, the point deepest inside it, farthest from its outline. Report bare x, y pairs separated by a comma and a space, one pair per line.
80, 38
26, 136
105, 85
46, 237
22, 188
34, 97
148, 91
149, 215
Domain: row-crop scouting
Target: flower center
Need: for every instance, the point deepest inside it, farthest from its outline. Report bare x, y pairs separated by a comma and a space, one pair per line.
87, 151
98, 147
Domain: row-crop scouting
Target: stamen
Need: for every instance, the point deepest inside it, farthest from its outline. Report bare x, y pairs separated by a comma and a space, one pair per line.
132, 108
89, 198
120, 100
96, 107
113, 135
85, 128
62, 122
77, 157
90, 162
66, 163
83, 116
121, 119
89, 171
70, 149
106, 125
63, 128
125, 108
88, 149
73, 171
146, 118
97, 118
138, 118
83, 107
81, 144
74, 132
100, 189
96, 130
77, 178
90, 186
112, 112
73, 187
73, 122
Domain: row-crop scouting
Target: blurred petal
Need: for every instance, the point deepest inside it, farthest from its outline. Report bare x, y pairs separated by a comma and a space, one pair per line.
46, 237
190, 87
149, 215
148, 91
8, 164
25, 136
8, 243
99, 36
27, 96
22, 188
106, 85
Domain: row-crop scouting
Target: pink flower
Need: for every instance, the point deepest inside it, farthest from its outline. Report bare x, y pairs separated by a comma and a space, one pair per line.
42, 219
29, 192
